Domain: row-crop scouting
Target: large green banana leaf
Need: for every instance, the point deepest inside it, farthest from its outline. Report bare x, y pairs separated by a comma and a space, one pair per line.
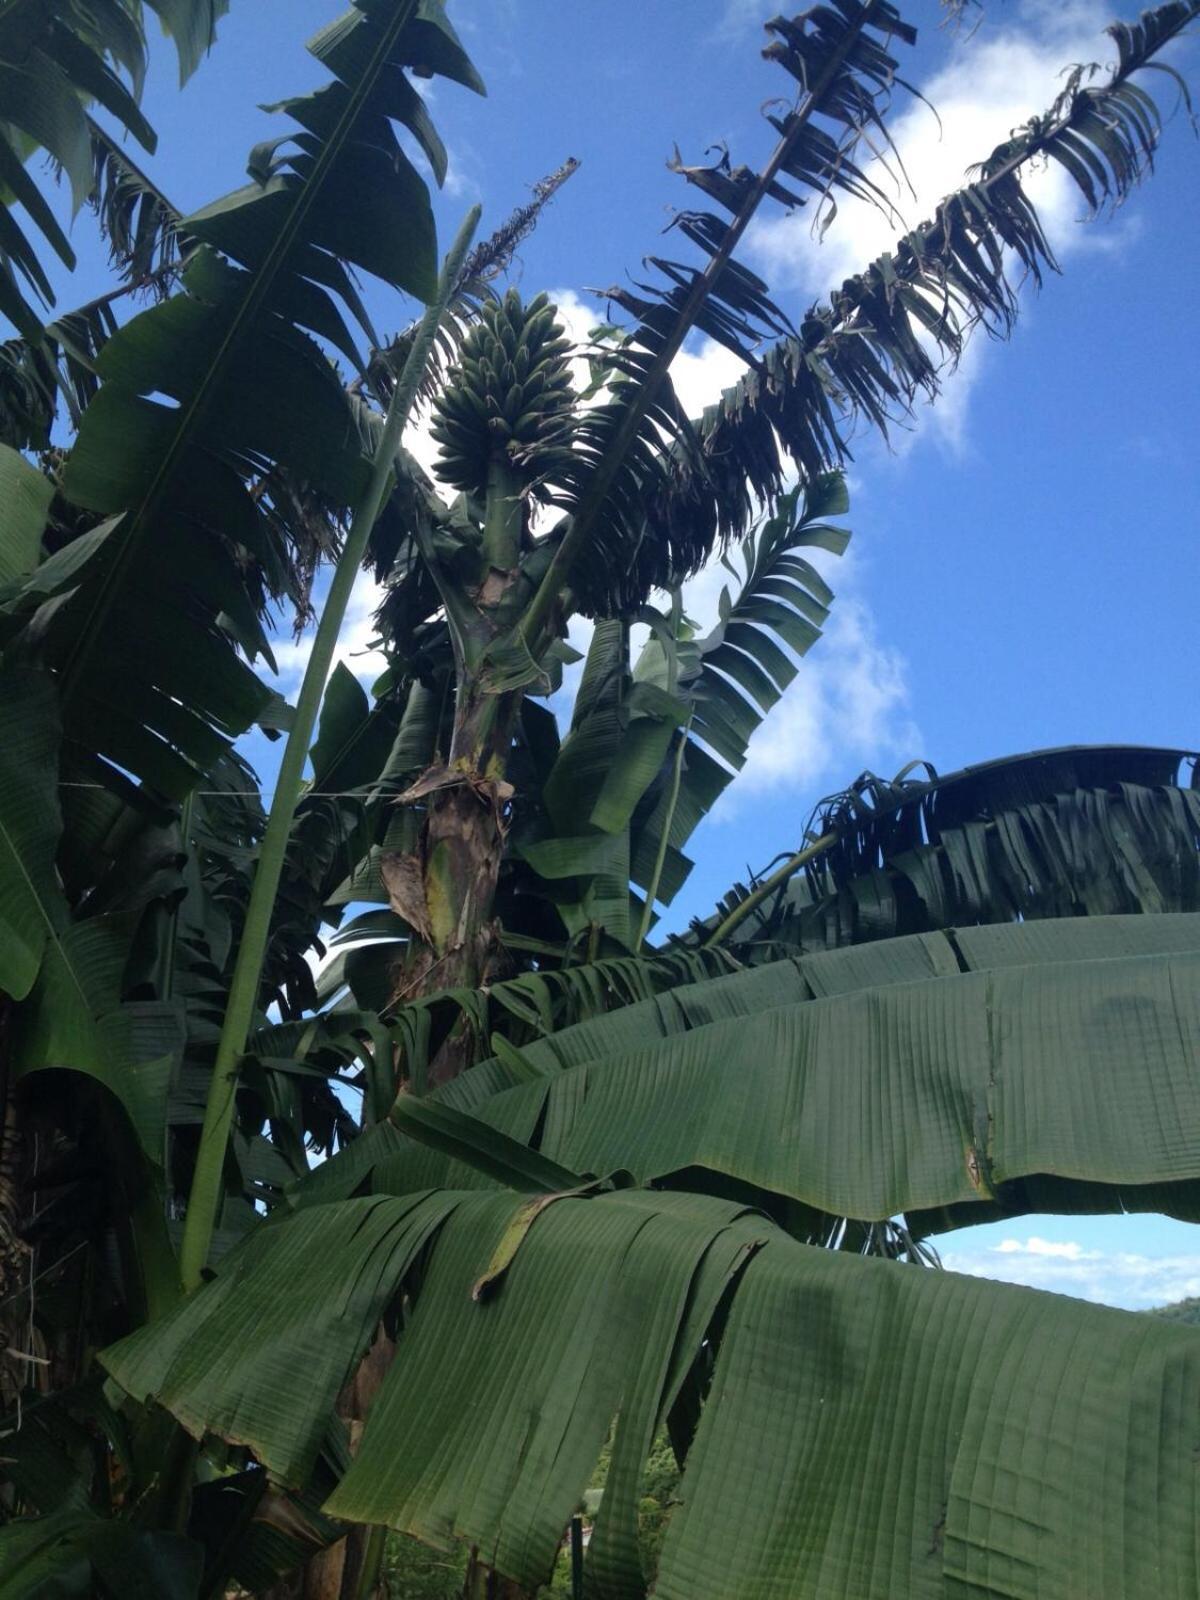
205, 396
31, 902
850, 1427
1052, 846
69, 974
74, 1551
25, 494
996, 1069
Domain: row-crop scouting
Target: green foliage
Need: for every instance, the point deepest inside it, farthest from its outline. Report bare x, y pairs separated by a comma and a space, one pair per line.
598, 1232
781, 1068
1086, 831
660, 1492
1181, 1311
412, 1571
608, 1303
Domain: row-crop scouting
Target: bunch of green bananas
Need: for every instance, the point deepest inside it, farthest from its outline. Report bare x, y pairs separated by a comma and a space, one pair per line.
509, 398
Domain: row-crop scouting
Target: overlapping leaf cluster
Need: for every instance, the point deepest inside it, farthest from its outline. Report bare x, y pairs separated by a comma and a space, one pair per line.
1088, 831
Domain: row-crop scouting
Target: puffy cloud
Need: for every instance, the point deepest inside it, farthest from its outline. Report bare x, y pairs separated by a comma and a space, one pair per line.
1106, 1277
847, 709
742, 14
992, 82
1065, 1250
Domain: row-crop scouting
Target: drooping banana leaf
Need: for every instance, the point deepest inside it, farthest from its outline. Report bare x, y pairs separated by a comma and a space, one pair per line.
534, 1009
973, 1074
139, 224
72, 1452
864, 1428
880, 339
1087, 830
373, 1242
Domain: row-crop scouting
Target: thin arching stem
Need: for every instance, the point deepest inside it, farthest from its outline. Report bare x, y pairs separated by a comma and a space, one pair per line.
204, 1200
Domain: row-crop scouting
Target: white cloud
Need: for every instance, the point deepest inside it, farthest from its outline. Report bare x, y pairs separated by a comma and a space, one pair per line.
1106, 1277
1066, 1250
353, 649
702, 371
994, 80
991, 83
847, 708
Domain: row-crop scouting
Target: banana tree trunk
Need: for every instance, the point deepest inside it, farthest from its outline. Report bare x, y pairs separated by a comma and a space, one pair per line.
482, 1583
445, 890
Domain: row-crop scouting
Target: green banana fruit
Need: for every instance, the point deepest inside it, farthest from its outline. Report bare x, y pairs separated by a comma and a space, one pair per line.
509, 394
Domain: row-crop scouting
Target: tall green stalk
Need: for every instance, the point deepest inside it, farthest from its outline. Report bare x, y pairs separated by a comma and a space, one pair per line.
205, 1194
768, 886
665, 839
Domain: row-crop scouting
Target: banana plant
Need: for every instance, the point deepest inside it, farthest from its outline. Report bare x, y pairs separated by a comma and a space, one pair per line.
484, 594
647, 494
626, 1154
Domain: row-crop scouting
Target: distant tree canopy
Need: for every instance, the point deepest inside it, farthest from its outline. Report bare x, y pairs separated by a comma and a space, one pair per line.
1180, 1311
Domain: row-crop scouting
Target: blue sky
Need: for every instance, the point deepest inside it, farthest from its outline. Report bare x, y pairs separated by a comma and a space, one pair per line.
1024, 564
